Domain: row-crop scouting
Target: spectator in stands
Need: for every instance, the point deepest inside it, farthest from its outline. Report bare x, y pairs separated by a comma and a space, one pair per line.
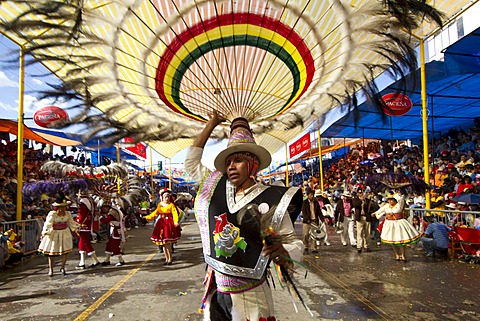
465, 185
476, 222
472, 157
437, 202
470, 171
451, 170
418, 199
436, 238
418, 224
454, 156
440, 176
448, 186
463, 161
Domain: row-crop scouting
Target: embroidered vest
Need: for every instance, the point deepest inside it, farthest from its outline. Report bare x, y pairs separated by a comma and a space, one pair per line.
232, 247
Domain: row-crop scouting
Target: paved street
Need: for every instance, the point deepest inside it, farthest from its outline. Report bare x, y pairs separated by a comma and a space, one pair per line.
341, 285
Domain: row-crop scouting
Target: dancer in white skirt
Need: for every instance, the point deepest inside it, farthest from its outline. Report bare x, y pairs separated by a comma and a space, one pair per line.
396, 230
56, 234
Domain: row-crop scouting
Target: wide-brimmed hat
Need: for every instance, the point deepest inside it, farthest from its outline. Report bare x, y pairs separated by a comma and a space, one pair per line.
391, 197
165, 190
451, 205
241, 140
61, 200
318, 192
347, 194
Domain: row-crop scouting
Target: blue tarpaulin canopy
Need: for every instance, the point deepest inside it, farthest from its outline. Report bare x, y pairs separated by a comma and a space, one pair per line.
453, 98
94, 146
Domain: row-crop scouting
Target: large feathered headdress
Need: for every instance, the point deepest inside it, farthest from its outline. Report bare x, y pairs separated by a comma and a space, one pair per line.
107, 182
389, 181
154, 70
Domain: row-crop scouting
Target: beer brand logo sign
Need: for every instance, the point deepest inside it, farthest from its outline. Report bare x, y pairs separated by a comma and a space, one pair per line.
397, 104
46, 116
301, 145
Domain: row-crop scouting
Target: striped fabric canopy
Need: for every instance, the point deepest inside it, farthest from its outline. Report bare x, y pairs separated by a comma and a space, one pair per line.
154, 70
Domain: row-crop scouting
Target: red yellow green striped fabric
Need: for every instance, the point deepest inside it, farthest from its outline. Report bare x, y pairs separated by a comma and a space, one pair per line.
245, 29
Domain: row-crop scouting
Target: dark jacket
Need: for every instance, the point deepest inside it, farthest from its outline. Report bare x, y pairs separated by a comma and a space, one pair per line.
340, 211
369, 206
324, 199
306, 213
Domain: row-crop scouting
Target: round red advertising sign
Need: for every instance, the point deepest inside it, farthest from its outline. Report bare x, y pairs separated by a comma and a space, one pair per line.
397, 103
45, 116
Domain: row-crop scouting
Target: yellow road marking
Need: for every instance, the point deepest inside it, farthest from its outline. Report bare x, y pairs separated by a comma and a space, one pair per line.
360, 297
85, 314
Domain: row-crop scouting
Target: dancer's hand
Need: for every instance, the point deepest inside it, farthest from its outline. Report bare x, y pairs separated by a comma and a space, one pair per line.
216, 118
277, 253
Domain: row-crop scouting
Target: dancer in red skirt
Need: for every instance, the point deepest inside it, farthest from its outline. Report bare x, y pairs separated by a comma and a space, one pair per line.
166, 230
85, 218
113, 216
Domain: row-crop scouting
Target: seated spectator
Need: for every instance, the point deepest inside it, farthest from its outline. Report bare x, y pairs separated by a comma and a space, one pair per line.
465, 185
3, 247
476, 223
463, 161
418, 199
437, 202
435, 239
472, 156
451, 170
440, 176
418, 224
14, 247
476, 183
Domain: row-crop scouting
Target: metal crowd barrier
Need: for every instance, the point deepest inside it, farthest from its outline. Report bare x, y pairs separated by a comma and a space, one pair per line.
28, 231
449, 217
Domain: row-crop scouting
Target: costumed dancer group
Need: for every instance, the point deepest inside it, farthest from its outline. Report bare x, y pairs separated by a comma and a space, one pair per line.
244, 226
56, 236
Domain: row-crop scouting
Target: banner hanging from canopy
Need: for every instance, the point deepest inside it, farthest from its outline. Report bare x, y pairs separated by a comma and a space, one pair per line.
300, 145
137, 149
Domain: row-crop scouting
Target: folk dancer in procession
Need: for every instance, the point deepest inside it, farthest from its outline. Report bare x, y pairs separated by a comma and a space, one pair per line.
56, 237
327, 211
312, 214
167, 229
231, 209
396, 231
85, 218
345, 218
112, 215
364, 207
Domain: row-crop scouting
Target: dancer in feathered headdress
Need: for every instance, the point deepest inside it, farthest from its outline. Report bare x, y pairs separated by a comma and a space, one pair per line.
111, 214
85, 217
244, 225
